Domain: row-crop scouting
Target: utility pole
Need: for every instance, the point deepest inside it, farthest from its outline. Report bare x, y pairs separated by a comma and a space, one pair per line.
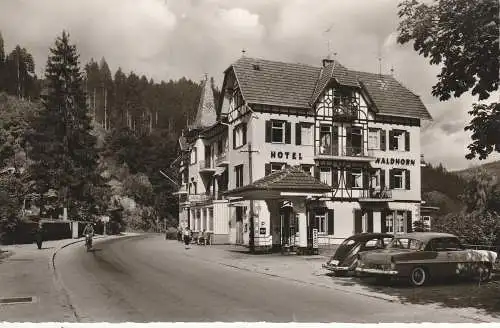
250, 177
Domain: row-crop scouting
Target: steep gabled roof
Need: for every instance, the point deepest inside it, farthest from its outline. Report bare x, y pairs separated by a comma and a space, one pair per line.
277, 83
390, 97
206, 115
335, 71
292, 178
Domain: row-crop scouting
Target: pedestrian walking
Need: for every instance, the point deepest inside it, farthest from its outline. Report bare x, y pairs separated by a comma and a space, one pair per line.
187, 237
39, 236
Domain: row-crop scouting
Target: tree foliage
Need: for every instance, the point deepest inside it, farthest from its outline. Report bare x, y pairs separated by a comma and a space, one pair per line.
462, 37
64, 150
479, 221
485, 128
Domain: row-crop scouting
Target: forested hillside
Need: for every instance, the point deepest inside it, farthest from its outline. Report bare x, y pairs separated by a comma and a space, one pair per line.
136, 122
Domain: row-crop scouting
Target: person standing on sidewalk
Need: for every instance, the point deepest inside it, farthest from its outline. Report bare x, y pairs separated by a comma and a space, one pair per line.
187, 237
39, 235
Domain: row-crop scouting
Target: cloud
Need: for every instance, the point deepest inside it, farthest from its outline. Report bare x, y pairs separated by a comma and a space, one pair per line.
169, 39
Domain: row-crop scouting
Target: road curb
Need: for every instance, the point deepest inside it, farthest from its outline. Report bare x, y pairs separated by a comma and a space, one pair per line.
57, 279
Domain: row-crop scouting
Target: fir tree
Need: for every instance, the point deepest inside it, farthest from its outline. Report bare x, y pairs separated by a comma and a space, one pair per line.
64, 151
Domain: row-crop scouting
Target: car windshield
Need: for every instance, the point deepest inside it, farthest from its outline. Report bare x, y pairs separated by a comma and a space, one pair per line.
348, 242
405, 243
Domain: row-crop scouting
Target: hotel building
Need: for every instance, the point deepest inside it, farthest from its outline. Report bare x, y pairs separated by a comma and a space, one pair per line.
299, 155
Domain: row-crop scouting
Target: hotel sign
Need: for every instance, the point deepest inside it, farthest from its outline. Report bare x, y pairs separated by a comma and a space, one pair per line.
286, 155
395, 161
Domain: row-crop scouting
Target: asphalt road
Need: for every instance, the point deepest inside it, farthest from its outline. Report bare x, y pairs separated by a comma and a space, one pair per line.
147, 279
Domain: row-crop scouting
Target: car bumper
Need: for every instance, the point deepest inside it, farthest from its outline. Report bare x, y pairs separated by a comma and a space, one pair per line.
334, 268
377, 272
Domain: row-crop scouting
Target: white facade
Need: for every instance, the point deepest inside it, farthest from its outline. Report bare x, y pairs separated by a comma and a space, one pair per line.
371, 161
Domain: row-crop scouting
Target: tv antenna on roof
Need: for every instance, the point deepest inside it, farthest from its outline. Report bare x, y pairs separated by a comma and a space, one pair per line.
329, 43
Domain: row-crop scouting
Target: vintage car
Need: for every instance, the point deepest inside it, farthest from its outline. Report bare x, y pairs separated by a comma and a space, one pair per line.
344, 260
420, 255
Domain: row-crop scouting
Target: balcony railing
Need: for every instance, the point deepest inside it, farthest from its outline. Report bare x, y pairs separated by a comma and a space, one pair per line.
348, 112
201, 197
221, 159
346, 152
207, 165
376, 194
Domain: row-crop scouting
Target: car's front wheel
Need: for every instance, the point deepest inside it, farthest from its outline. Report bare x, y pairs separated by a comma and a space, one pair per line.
484, 272
418, 276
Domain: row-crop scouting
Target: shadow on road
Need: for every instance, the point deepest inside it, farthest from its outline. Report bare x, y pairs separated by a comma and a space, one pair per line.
454, 293
94, 250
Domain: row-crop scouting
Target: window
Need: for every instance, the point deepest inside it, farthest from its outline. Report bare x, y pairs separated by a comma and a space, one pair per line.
277, 131
328, 140
398, 177
354, 141
325, 175
307, 169
374, 139
357, 178
238, 170
375, 179
193, 155
400, 222
275, 167
389, 223
406, 243
321, 223
239, 135
399, 140
304, 134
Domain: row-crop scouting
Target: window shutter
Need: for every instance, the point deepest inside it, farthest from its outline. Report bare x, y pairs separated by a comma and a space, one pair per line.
370, 221
407, 180
269, 130
316, 172
288, 132
409, 222
331, 222
234, 138
407, 141
267, 169
358, 221
382, 139
366, 179
297, 134
382, 178
391, 179
244, 131
383, 227
391, 136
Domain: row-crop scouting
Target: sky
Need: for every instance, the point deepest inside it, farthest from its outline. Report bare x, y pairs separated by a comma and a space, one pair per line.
169, 39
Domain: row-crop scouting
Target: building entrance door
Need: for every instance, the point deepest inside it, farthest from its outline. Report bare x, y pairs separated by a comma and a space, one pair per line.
239, 225
288, 226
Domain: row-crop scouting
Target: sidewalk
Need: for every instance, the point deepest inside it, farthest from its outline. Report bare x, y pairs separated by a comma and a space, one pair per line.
308, 270
27, 272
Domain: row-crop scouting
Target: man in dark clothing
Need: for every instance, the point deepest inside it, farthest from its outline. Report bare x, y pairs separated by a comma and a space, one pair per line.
39, 236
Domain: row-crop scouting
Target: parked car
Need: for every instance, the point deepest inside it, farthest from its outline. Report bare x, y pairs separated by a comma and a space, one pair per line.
344, 260
420, 255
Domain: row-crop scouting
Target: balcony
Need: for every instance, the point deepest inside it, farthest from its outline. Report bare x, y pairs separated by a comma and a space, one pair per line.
221, 159
345, 113
182, 190
207, 166
375, 195
201, 198
348, 153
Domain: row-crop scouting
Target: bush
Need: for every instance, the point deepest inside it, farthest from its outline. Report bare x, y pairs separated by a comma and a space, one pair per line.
171, 234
